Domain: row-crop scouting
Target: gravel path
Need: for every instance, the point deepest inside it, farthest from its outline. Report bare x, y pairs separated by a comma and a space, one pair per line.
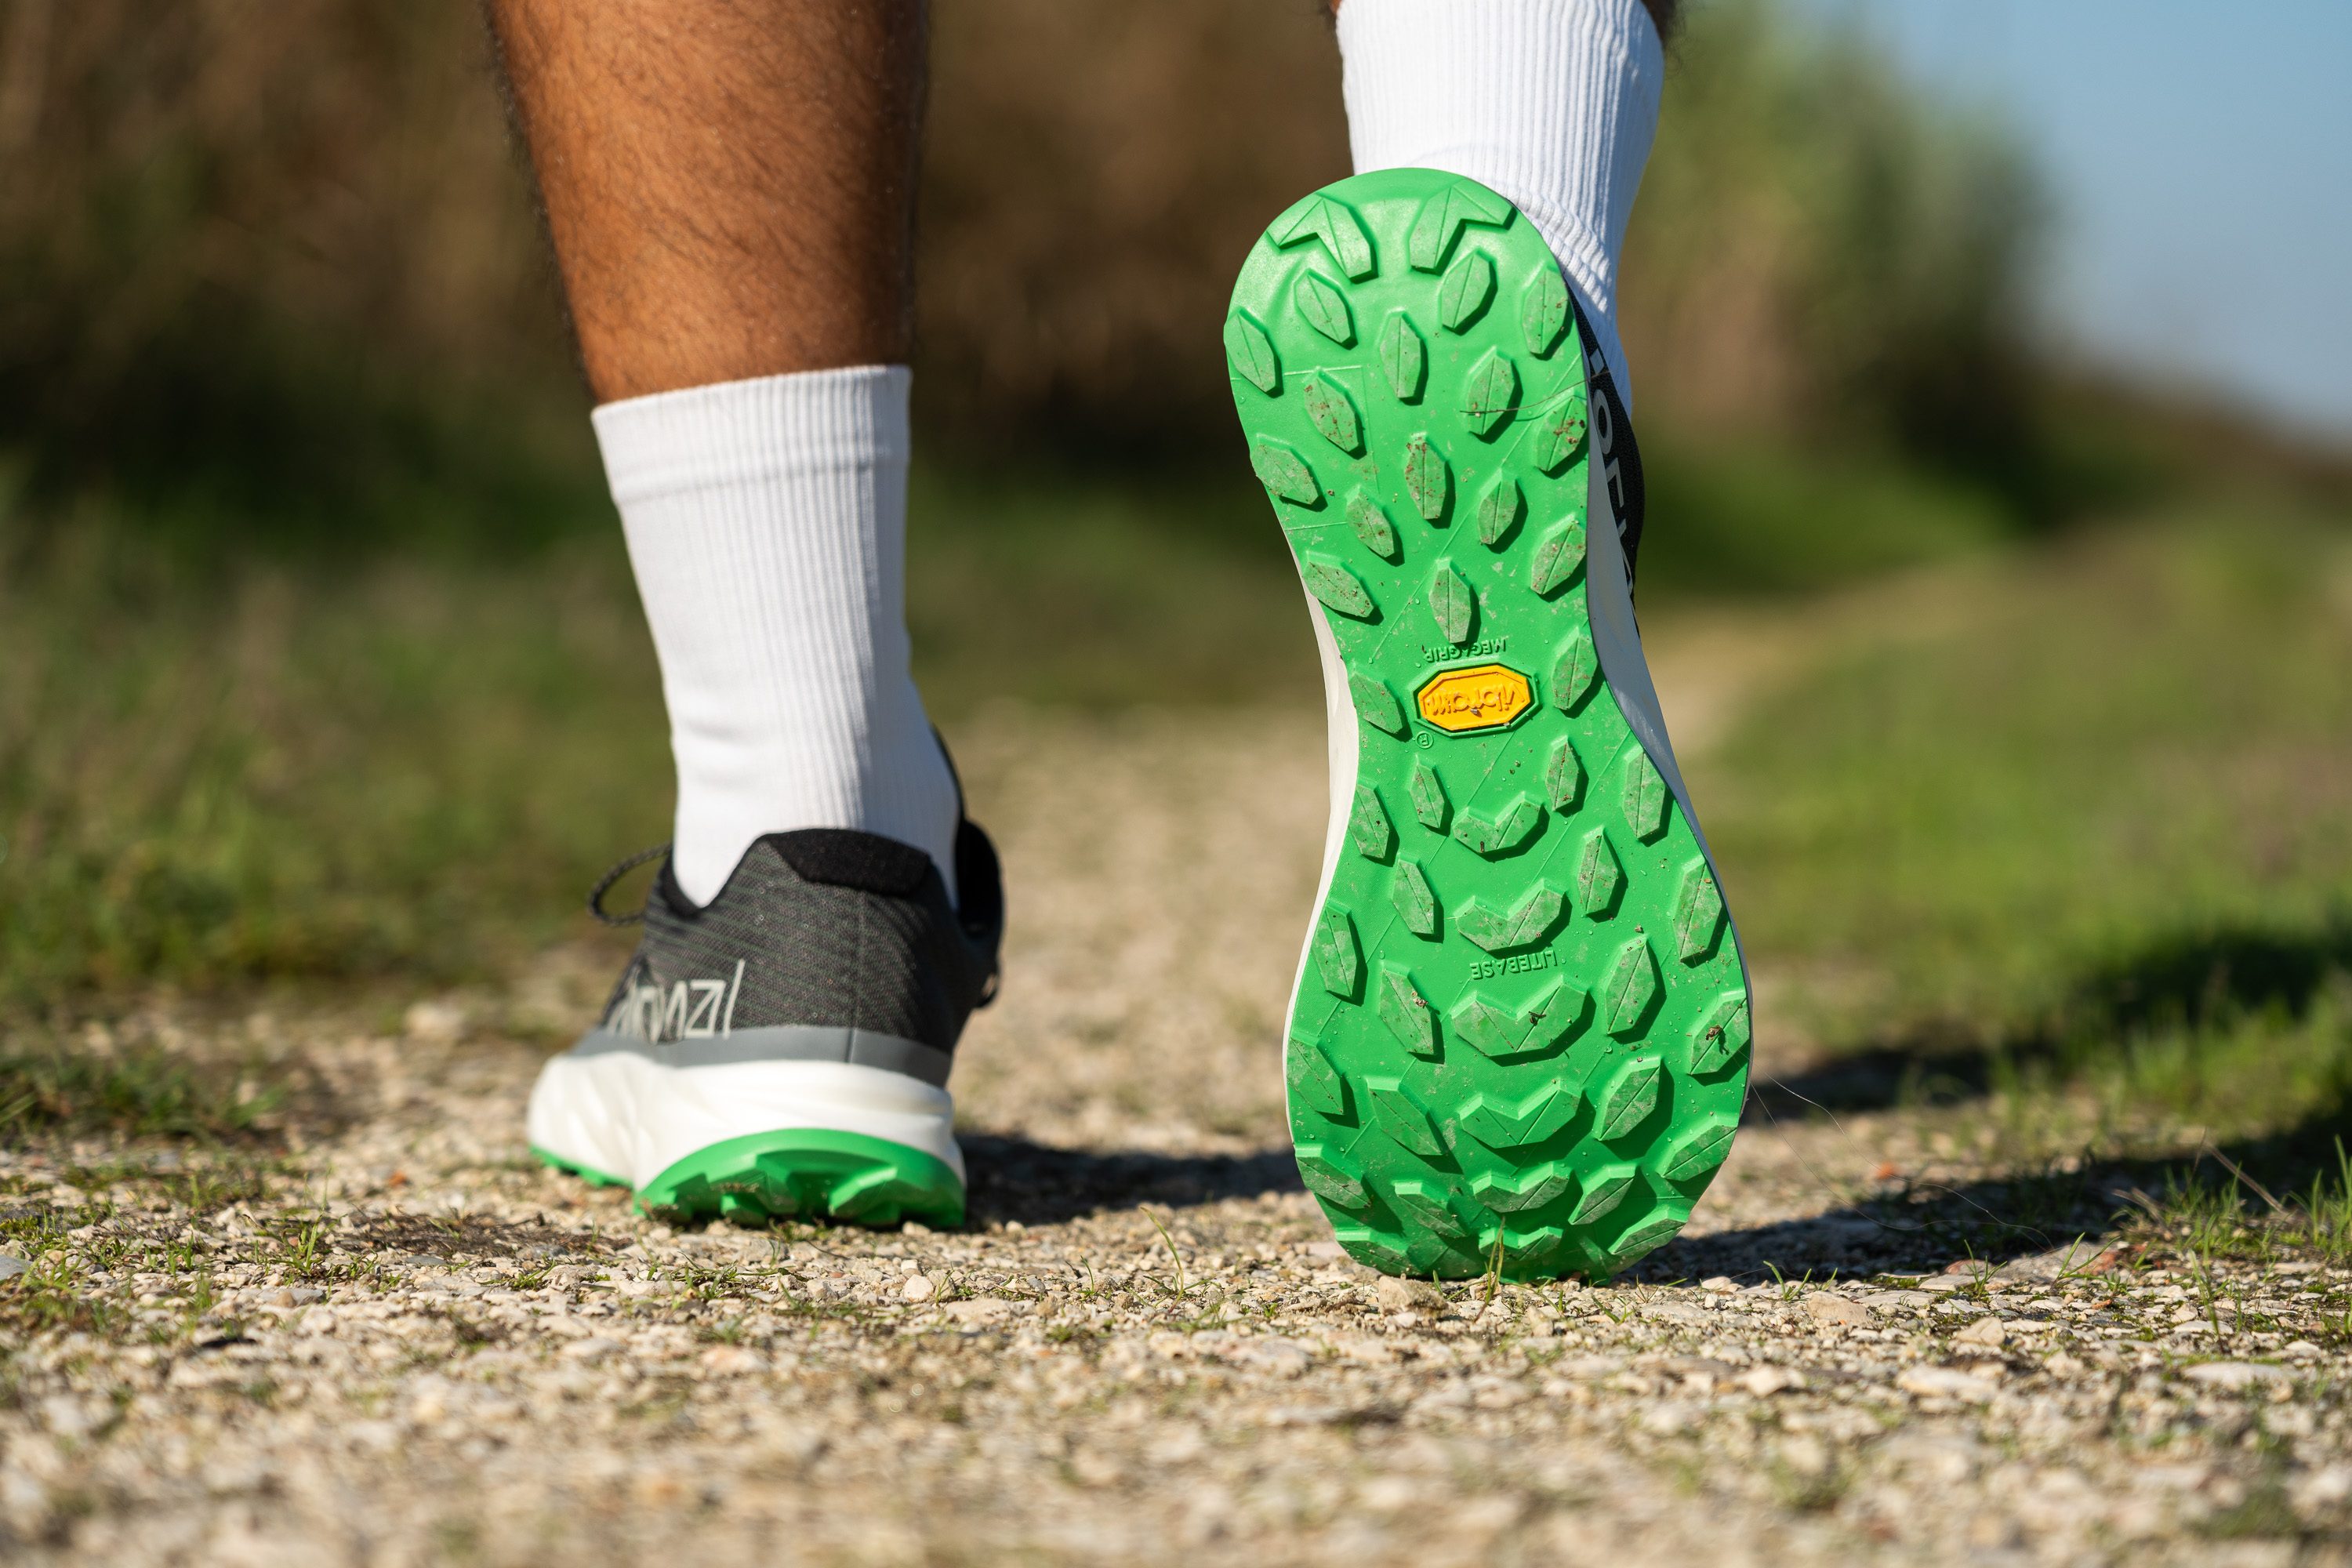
402, 1342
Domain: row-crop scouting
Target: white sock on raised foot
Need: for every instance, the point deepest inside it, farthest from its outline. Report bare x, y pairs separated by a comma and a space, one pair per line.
1551, 102
767, 524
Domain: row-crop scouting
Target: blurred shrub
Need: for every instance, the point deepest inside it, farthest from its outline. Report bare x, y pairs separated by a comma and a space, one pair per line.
253, 244
1094, 175
1818, 249
1815, 248
235, 235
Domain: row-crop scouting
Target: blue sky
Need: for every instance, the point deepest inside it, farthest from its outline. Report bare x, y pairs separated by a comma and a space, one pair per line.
2200, 159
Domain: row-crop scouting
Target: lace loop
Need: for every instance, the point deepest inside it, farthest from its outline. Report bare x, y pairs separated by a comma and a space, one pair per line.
605, 885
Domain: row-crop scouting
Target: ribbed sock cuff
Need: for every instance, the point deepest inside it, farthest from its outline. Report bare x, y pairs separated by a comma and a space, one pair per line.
766, 524
735, 431
1554, 104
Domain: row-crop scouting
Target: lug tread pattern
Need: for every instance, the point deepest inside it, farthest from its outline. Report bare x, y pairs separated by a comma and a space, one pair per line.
1499, 512
1370, 826
1558, 558
1504, 832
1526, 1022
1405, 357
1543, 311
1251, 352
1372, 527
1490, 396
1375, 704
1333, 414
1314, 1083
1407, 1012
1502, 1030
1428, 478
1504, 1124
758, 1181
1416, 901
1285, 474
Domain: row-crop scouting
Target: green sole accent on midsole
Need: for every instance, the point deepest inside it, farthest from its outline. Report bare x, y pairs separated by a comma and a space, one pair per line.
588, 1173
1521, 1042
806, 1172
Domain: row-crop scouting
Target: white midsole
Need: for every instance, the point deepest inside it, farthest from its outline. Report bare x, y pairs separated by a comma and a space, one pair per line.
1340, 741
629, 1117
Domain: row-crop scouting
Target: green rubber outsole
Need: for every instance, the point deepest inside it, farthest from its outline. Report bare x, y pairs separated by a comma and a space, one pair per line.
796, 1173
811, 1174
588, 1173
1521, 1042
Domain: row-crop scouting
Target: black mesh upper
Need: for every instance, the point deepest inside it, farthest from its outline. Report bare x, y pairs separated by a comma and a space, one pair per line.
829, 927
1614, 446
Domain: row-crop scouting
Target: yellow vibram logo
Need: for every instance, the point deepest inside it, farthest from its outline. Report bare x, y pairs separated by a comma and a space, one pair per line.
1483, 697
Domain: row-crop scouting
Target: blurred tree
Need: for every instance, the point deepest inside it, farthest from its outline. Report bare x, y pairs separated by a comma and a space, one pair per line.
235, 223
257, 243
1818, 250
1094, 175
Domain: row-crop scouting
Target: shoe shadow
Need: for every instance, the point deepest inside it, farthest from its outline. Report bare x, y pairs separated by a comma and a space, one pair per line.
2186, 980
1917, 1231
1013, 1178
1921, 1229
1912, 1232
1904, 1230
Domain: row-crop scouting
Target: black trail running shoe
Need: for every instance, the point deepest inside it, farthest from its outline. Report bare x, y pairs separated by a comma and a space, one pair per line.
784, 1049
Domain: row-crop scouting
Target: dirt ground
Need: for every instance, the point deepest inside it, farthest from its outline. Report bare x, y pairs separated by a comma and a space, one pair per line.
403, 1343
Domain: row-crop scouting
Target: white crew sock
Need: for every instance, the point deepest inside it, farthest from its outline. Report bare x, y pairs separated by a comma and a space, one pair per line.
767, 522
1551, 102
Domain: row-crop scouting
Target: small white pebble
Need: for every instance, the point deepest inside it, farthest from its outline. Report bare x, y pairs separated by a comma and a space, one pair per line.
1836, 1311
1986, 1330
2237, 1374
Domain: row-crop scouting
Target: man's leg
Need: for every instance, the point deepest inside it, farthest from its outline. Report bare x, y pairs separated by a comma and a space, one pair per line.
729, 185
1518, 1038
731, 182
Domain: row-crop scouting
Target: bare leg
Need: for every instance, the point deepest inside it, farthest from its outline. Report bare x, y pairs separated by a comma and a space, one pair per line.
729, 185
730, 182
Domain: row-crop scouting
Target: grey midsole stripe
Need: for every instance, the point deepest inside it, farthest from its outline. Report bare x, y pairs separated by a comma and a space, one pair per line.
783, 1043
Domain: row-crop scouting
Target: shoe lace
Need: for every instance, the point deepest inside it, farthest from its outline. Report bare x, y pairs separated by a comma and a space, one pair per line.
605, 885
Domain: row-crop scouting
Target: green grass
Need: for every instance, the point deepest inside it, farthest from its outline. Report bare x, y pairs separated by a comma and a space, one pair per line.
2116, 777
138, 1092
2074, 842
1755, 518
216, 777
2217, 1212
1103, 591
345, 767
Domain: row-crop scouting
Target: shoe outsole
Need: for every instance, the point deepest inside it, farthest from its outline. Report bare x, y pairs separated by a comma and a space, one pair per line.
588, 1173
1520, 1042
810, 1174
804, 1173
